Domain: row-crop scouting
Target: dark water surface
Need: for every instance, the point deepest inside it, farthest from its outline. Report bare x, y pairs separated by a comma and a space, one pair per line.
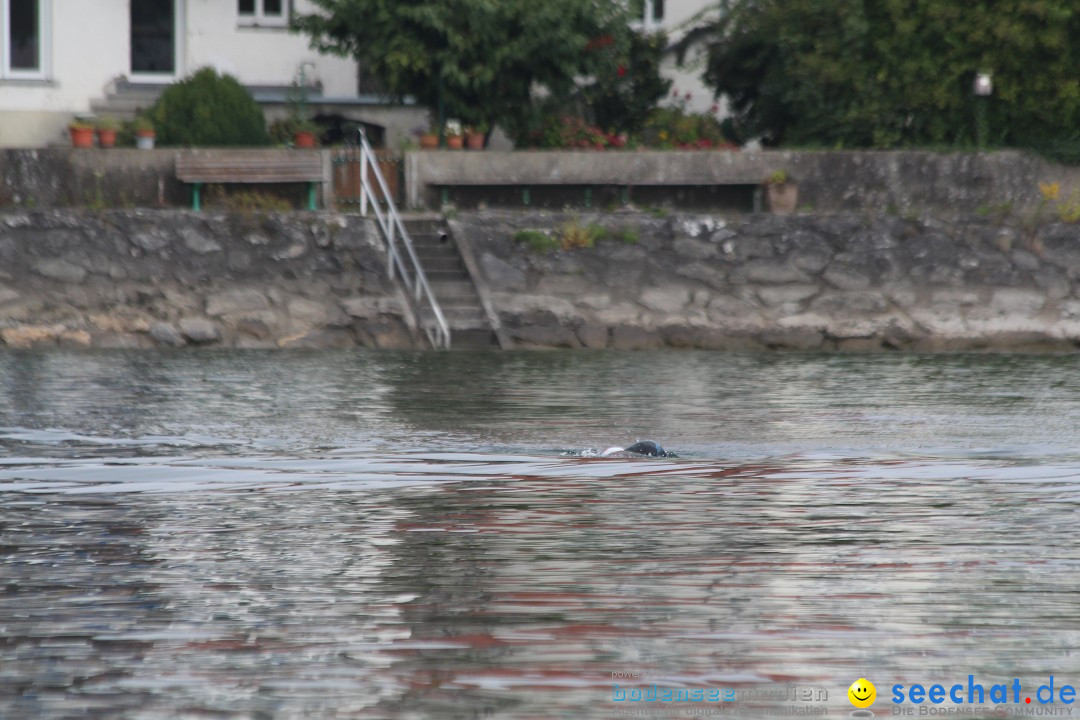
414, 535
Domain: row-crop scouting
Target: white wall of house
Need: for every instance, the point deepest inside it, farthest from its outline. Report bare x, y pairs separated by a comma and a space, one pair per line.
85, 45
688, 89
260, 54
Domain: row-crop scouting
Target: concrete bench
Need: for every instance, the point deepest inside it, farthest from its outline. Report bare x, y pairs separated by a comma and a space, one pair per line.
588, 186
431, 175
249, 166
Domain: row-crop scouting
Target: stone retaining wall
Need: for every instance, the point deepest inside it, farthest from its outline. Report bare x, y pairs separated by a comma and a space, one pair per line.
806, 282
172, 278
851, 282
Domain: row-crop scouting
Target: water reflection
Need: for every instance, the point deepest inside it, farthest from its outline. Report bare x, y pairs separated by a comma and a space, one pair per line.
359, 536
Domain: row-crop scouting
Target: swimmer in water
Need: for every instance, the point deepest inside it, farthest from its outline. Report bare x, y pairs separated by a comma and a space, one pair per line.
645, 448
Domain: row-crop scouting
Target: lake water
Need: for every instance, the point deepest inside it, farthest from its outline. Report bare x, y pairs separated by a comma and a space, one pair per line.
431, 535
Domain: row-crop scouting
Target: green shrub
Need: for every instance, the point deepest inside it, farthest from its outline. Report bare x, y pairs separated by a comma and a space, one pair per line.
208, 109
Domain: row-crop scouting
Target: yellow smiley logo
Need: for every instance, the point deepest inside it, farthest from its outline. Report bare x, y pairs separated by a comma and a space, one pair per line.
862, 693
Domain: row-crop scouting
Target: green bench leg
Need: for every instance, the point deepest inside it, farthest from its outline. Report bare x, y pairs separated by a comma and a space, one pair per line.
196, 203
445, 196
588, 197
311, 196
525, 196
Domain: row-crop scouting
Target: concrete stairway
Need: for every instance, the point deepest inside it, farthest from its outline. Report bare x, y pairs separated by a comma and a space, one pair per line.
122, 99
451, 283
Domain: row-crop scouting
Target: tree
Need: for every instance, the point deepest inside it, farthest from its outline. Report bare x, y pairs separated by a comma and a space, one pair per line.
627, 90
895, 73
481, 59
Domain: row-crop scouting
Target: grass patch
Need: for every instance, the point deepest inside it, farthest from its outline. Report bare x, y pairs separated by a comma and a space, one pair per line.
574, 236
538, 242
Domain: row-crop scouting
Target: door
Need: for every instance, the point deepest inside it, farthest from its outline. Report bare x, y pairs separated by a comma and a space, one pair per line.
155, 39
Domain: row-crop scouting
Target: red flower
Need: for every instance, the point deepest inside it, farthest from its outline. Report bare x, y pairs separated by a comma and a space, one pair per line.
714, 109
621, 71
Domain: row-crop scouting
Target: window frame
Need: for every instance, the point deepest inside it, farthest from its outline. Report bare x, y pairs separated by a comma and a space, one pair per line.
44, 22
179, 50
260, 18
653, 12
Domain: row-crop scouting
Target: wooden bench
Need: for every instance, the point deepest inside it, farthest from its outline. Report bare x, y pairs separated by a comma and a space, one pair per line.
249, 166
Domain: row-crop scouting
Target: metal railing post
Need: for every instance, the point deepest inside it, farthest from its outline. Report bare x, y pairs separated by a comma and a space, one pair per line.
363, 175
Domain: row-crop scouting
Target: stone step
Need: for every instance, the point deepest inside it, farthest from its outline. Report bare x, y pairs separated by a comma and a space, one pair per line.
459, 285
425, 227
458, 299
458, 317
434, 252
473, 339
444, 266
460, 304
453, 310
437, 275
434, 246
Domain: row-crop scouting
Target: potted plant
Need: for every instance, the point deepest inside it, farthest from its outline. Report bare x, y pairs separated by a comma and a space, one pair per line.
782, 193
475, 136
305, 134
144, 133
454, 138
106, 131
429, 139
82, 134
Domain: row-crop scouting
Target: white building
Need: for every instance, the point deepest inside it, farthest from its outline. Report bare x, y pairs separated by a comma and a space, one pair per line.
675, 17
62, 58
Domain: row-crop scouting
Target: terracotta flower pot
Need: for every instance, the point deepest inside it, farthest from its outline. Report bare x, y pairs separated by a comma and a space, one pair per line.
106, 138
82, 137
474, 141
454, 142
783, 197
304, 139
429, 141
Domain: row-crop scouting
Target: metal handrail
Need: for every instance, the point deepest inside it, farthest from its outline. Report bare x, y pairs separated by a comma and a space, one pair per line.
393, 230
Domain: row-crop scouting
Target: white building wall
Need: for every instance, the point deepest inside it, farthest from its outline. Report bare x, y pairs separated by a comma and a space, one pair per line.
89, 47
679, 16
84, 50
260, 55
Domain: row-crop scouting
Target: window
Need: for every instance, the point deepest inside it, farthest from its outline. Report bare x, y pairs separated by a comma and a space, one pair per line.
24, 38
153, 37
263, 12
647, 9
647, 13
